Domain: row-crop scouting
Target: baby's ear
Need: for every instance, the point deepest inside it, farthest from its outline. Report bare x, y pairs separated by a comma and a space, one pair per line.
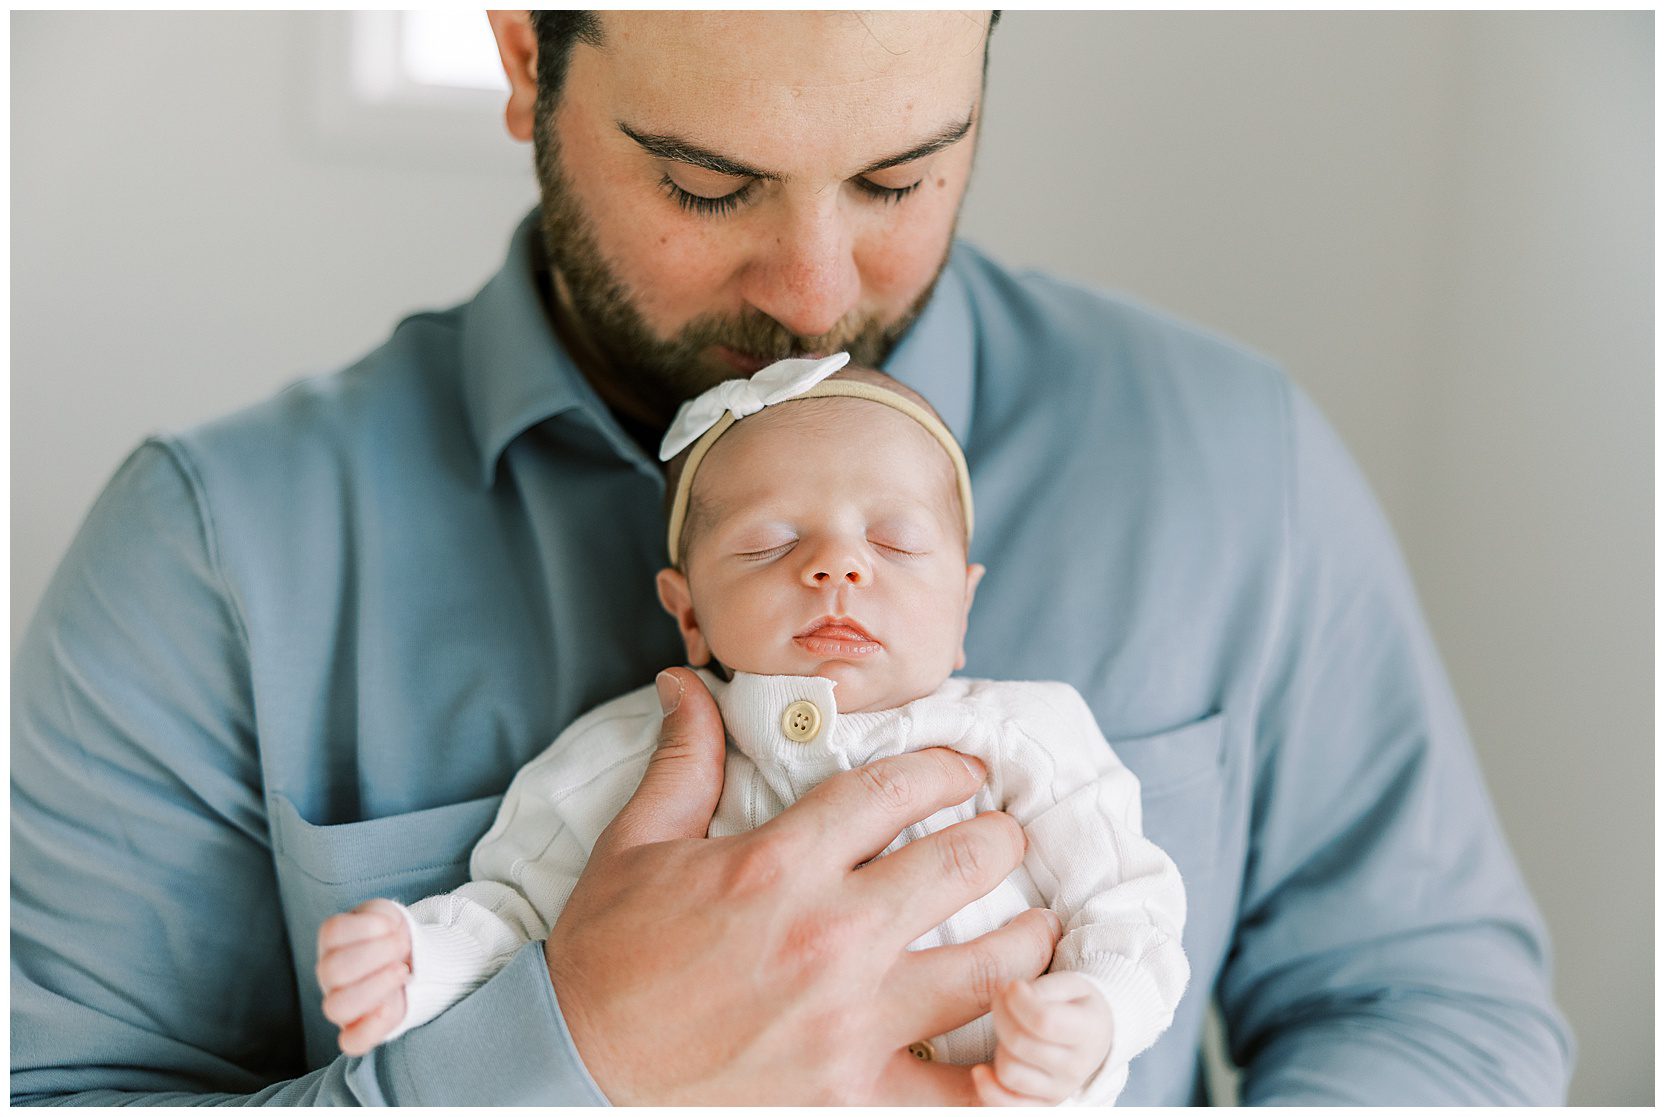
973, 576
679, 603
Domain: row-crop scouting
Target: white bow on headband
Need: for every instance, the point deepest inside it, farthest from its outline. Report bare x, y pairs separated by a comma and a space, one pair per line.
776, 383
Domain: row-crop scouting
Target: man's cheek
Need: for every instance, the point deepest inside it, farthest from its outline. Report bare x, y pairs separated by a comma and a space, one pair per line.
676, 277
897, 270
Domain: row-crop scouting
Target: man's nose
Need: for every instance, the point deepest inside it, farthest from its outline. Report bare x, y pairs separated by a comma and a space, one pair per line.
804, 274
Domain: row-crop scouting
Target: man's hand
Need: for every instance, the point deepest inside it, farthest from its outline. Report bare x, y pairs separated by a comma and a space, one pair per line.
768, 967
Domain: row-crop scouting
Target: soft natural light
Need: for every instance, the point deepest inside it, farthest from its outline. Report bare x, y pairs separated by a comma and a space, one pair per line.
449, 48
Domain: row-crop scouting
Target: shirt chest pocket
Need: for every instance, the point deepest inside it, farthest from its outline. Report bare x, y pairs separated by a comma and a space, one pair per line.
322, 870
1181, 790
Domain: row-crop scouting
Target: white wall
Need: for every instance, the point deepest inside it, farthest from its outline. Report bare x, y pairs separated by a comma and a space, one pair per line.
1439, 222
1531, 533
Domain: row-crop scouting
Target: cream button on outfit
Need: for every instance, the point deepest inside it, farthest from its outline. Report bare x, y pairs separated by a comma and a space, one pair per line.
801, 721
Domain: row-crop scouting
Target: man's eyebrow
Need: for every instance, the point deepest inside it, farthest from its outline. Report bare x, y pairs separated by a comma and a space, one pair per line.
683, 151
947, 137
680, 150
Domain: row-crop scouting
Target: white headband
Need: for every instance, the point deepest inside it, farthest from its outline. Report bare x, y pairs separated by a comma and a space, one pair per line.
702, 420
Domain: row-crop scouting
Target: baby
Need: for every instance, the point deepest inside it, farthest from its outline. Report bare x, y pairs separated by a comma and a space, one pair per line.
818, 533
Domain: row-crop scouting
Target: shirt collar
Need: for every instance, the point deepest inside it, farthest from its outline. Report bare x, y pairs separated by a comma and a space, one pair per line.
936, 357
516, 373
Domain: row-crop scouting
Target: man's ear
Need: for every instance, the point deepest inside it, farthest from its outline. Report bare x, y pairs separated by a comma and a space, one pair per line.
679, 603
517, 46
973, 575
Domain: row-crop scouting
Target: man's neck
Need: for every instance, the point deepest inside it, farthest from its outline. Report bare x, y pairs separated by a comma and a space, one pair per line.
640, 422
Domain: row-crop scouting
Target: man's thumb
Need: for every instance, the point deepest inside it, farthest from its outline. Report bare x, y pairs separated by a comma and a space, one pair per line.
678, 793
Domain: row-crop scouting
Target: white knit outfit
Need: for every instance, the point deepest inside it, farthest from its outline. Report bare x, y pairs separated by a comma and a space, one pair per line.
1119, 896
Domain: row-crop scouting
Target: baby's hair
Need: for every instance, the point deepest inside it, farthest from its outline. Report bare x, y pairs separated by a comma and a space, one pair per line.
699, 512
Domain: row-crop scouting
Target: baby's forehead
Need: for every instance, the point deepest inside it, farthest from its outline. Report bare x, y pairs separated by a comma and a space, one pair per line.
754, 460
827, 425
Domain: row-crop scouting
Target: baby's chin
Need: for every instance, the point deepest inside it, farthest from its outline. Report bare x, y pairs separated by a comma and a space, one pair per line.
864, 687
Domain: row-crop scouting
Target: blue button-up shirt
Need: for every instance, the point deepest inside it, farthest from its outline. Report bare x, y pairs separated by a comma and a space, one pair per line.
294, 657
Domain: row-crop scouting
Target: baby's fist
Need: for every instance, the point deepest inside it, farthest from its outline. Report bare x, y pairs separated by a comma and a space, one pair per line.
363, 965
1052, 1034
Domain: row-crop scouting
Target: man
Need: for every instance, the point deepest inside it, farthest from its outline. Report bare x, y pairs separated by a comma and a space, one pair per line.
294, 656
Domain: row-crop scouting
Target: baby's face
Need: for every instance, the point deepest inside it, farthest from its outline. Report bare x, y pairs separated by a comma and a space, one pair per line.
827, 541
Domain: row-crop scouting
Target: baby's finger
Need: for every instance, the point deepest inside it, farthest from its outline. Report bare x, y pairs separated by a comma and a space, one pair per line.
1029, 1014
367, 1031
1021, 1078
358, 961
385, 986
349, 927
385, 910
991, 1092
1056, 1059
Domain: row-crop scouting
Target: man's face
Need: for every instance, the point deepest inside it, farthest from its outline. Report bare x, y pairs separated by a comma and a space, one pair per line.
721, 190
831, 544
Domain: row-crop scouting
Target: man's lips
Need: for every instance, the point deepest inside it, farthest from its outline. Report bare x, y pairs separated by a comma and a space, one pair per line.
747, 363
837, 636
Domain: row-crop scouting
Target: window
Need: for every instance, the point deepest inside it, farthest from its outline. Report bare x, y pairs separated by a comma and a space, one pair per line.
422, 56
414, 87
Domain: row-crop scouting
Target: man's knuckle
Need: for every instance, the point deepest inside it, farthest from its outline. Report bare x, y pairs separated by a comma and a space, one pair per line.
962, 857
817, 941
886, 784
756, 866
987, 974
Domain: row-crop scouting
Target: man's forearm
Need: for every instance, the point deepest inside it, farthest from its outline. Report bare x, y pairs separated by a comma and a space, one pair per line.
504, 1045
1421, 1048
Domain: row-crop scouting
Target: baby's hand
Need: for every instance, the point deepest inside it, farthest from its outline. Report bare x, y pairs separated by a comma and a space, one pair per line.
363, 964
1052, 1033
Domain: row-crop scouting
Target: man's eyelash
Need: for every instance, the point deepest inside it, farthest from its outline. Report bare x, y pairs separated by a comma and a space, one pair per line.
709, 207
886, 193
728, 203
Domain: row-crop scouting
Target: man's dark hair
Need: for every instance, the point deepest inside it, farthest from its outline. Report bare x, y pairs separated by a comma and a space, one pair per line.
558, 31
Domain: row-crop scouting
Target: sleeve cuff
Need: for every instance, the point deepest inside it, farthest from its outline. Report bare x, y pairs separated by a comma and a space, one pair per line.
1138, 1014
507, 1044
447, 963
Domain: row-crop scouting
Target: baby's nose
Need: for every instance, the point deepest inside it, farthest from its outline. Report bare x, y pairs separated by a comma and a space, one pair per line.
853, 575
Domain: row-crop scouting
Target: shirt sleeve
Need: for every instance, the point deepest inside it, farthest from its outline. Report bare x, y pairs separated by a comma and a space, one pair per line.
149, 956
1387, 951
523, 870
1120, 896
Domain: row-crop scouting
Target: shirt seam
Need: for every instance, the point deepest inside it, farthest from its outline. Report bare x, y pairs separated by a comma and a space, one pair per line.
182, 461
1283, 574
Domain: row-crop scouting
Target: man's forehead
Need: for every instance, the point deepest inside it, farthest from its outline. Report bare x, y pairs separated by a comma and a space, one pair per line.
802, 50
822, 95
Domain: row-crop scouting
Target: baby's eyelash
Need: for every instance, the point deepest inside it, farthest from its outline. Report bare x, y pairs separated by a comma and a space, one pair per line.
768, 553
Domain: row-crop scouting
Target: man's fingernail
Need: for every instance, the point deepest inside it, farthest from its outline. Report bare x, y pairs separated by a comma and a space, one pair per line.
670, 692
1054, 922
975, 767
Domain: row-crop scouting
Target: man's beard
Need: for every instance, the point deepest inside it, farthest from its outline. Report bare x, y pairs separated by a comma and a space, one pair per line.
656, 373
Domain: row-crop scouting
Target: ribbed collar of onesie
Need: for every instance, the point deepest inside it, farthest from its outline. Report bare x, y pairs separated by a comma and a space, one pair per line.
764, 717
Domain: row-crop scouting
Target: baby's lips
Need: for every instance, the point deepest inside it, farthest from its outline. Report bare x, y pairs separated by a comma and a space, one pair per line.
838, 628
